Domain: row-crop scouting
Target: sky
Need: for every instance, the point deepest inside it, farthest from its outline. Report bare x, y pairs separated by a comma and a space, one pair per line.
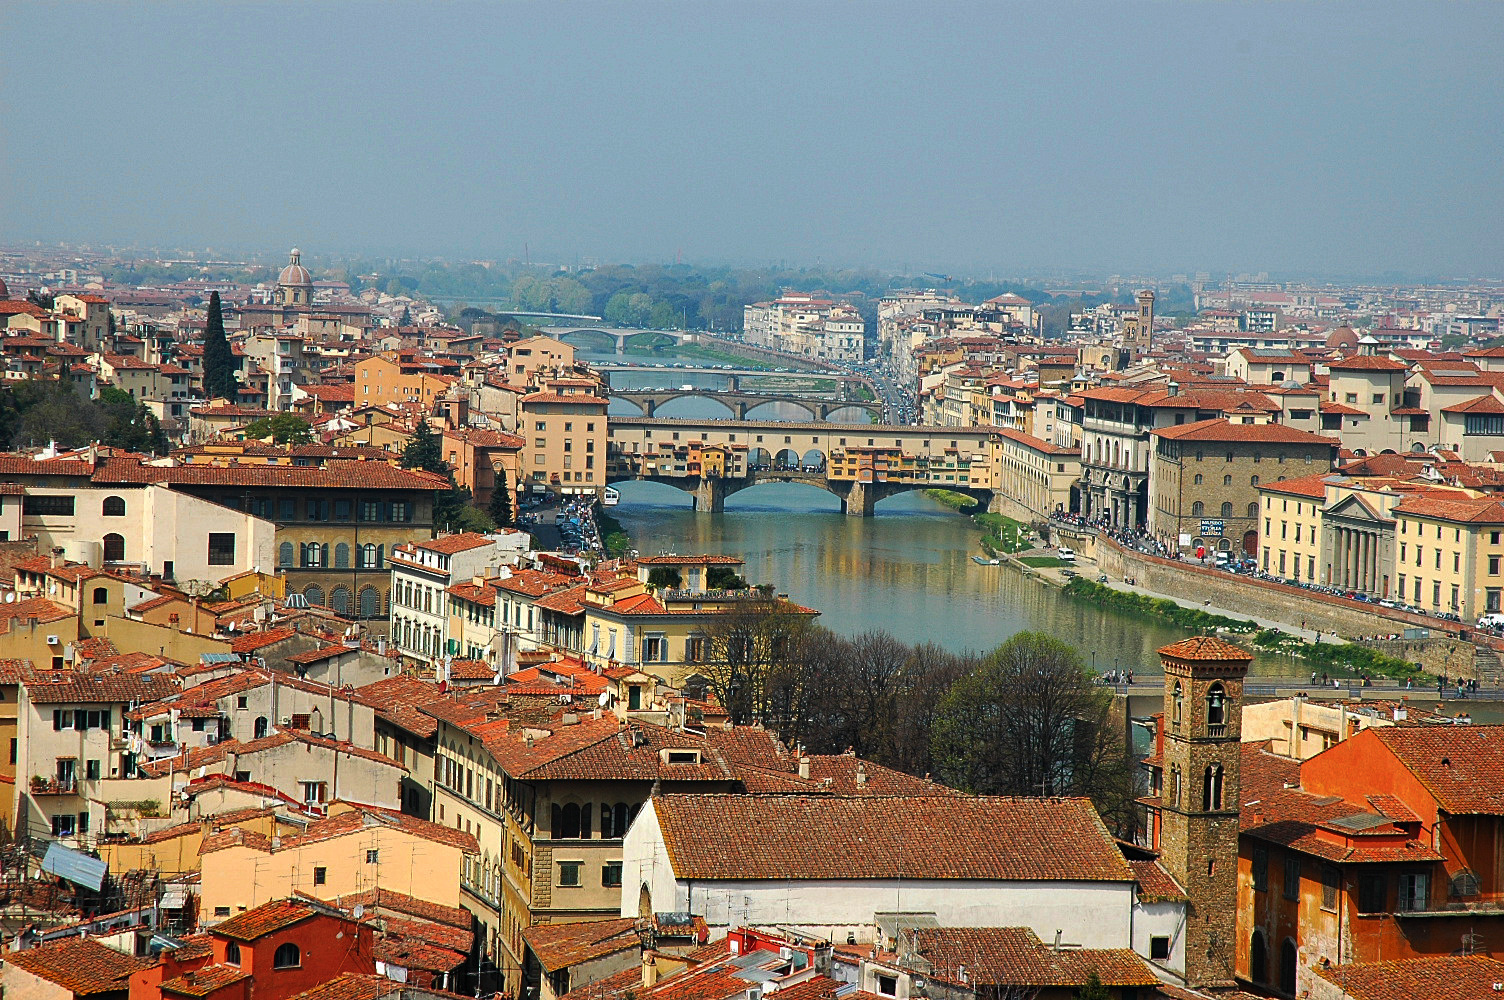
1356, 139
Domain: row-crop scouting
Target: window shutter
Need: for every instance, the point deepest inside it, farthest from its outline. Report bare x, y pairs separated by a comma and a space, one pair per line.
57, 719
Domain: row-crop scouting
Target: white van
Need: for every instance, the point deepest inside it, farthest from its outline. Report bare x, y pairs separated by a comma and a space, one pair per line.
1065, 554
1494, 620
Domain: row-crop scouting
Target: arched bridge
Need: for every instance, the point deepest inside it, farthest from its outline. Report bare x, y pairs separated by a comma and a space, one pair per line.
741, 404
587, 335
859, 463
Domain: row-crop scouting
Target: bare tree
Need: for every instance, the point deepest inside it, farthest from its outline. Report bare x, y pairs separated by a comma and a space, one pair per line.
750, 651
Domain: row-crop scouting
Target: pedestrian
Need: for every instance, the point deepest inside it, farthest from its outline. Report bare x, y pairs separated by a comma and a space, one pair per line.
1323, 678
1408, 684
1313, 678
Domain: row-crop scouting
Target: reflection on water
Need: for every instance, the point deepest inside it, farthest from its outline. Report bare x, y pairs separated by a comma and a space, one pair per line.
908, 570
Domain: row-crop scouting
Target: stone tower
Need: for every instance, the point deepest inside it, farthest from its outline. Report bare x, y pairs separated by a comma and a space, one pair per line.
1138, 329
1199, 813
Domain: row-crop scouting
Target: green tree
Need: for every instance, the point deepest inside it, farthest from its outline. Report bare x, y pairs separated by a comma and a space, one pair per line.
284, 428
1093, 989
219, 361
452, 507
1030, 720
500, 507
425, 451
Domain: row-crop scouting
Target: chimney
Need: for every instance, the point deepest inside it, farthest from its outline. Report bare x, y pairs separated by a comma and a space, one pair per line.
56, 556
649, 970
861, 775
804, 767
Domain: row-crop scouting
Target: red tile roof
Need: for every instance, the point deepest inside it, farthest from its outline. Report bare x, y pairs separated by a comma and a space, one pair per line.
83, 966
1462, 766
559, 946
1448, 977
978, 957
799, 837
263, 920
204, 981
1205, 648
1226, 430
1366, 363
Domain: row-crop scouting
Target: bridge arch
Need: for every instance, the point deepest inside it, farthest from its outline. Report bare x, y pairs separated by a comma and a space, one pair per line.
682, 404
625, 406
813, 460
759, 459
589, 337
787, 460
777, 409
851, 413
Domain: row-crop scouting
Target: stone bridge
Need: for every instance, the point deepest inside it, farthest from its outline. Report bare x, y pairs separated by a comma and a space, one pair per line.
584, 335
742, 403
860, 464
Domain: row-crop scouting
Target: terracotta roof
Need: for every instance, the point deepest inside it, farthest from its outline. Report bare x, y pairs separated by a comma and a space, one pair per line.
450, 544
99, 688
1014, 956
1155, 884
1226, 430
83, 966
1478, 404
1462, 766
938, 837
203, 981
335, 474
559, 946
1444, 977
397, 699
1366, 363
366, 986
264, 919
1204, 647
1312, 487
1480, 510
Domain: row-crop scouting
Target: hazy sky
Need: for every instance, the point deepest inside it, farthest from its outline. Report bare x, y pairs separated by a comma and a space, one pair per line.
1338, 138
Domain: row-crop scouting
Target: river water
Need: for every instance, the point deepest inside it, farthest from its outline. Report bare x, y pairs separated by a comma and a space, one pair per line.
907, 570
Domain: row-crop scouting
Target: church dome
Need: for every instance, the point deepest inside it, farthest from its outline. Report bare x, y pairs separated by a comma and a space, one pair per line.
4, 289
295, 273
1343, 336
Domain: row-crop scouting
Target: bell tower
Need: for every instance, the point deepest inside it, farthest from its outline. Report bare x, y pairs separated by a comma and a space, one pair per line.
1199, 812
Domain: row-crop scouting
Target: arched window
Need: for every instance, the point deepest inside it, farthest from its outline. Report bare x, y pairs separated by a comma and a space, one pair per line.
315, 595
567, 820
1465, 884
287, 956
260, 728
1226, 480
114, 547
342, 556
1198, 508
1216, 705
1212, 787
285, 554
101, 595
339, 600
232, 953
1198, 479
613, 820
368, 556
1258, 958
370, 603
113, 507
1253, 480
1227, 509
1253, 510
1175, 778
1177, 703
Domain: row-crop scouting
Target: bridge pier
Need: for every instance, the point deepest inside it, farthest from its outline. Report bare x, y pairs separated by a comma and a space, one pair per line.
710, 495
859, 500
733, 383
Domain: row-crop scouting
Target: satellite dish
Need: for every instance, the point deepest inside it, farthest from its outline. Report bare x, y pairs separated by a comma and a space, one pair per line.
605, 699
10, 598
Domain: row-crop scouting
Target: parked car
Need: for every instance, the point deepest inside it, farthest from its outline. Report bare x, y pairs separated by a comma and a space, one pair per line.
1065, 555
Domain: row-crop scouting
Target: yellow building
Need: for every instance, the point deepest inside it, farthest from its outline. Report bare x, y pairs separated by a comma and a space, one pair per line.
563, 427
1450, 554
175, 849
353, 850
527, 358
1290, 544
1035, 474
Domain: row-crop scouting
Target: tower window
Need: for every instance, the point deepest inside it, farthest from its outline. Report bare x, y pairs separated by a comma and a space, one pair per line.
1213, 786
1216, 709
1177, 703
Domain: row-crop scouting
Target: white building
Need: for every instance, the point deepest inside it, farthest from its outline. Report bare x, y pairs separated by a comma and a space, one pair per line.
423, 572
829, 865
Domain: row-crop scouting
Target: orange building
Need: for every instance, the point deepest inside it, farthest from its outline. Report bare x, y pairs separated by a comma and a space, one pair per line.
481, 457
1388, 846
387, 378
563, 427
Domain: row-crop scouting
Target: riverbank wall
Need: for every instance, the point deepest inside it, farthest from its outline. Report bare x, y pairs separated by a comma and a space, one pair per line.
1440, 656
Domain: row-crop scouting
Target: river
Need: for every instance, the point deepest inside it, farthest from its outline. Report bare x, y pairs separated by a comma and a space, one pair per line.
907, 570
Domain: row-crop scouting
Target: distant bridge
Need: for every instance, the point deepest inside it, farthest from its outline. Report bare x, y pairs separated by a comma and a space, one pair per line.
580, 334
741, 404
859, 463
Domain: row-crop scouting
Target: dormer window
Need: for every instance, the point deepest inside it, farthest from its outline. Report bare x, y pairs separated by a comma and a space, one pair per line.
681, 756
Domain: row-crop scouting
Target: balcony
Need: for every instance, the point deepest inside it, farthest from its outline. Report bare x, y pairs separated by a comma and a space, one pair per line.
54, 786
1216, 730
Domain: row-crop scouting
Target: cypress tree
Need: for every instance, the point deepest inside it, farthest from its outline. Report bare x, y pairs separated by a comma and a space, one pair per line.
219, 360
501, 504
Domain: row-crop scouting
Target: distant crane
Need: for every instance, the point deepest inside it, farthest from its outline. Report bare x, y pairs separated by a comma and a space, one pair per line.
931, 274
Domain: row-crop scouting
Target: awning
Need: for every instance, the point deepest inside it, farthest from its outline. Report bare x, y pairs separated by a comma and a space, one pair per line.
75, 866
